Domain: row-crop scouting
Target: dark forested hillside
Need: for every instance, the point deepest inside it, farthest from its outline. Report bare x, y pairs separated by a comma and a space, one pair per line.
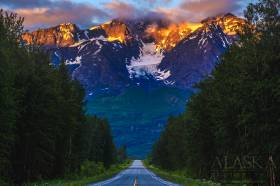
236, 113
43, 126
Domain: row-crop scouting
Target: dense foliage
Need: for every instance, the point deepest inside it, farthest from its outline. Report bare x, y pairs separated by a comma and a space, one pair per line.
97, 144
237, 110
44, 132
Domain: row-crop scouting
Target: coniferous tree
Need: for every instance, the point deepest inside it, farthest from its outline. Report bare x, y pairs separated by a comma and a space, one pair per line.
37, 118
99, 142
10, 30
122, 154
71, 116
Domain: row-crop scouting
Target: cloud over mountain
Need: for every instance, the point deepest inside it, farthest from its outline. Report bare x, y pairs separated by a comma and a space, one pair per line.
205, 8
122, 9
47, 13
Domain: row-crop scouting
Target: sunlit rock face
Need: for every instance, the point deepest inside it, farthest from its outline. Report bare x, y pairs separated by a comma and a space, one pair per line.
58, 36
115, 31
229, 23
168, 37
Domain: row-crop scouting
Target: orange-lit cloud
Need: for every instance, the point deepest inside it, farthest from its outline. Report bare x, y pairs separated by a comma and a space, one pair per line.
45, 16
205, 8
196, 10
174, 14
152, 2
122, 9
50, 13
187, 10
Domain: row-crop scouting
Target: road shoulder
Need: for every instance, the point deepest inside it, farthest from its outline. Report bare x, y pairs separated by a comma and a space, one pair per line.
175, 177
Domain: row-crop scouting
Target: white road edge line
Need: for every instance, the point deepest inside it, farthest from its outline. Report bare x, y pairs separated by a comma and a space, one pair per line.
118, 176
160, 179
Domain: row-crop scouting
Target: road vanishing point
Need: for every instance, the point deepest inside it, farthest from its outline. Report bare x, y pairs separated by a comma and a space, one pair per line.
135, 175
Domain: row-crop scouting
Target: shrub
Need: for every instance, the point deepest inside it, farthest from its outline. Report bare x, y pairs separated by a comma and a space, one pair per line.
91, 168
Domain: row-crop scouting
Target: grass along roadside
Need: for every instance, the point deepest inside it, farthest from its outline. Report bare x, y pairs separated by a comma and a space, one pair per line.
178, 177
82, 181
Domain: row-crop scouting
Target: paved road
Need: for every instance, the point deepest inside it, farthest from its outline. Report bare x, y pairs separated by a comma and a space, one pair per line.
136, 171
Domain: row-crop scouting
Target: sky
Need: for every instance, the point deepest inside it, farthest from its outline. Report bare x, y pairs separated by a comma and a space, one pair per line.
85, 13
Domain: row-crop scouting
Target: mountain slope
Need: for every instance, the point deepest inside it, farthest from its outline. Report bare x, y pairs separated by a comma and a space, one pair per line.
195, 57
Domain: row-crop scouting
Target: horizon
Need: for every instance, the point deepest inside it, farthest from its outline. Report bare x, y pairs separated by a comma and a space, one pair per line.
169, 22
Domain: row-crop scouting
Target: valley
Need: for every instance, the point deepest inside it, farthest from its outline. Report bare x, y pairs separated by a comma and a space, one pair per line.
137, 116
139, 72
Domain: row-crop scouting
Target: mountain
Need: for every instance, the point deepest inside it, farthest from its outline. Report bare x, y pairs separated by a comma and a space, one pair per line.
124, 53
139, 72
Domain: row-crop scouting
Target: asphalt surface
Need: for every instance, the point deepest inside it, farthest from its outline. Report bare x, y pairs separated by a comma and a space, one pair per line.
137, 172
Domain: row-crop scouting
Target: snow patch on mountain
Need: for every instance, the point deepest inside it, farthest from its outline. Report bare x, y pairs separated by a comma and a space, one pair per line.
102, 38
86, 34
77, 61
162, 75
147, 63
56, 54
78, 43
202, 42
99, 47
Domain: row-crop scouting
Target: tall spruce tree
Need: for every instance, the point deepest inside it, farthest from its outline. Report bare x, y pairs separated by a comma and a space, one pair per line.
71, 115
10, 30
97, 142
37, 118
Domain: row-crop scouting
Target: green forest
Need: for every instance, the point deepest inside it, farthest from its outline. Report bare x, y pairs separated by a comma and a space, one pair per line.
44, 131
236, 112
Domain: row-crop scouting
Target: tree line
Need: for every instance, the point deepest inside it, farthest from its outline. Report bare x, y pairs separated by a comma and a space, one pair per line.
44, 132
236, 111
